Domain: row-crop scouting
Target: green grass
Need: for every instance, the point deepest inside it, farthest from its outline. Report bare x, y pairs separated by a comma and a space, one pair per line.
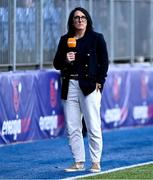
140, 172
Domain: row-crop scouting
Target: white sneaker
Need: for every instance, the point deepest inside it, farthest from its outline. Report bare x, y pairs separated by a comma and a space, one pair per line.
78, 166
95, 168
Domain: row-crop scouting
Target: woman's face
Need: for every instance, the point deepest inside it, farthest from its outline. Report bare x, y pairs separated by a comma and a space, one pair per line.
79, 20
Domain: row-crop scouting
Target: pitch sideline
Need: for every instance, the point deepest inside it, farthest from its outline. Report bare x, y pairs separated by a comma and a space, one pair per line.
109, 171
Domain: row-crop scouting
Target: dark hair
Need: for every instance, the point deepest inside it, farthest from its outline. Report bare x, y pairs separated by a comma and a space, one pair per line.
70, 27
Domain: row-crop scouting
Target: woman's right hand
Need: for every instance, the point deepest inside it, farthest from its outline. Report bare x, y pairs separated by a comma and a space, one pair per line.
70, 56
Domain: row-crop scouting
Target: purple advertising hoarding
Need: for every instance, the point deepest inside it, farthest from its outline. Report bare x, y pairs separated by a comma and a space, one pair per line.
31, 107
127, 99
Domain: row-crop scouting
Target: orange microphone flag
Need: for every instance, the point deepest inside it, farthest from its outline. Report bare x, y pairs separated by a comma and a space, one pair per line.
71, 42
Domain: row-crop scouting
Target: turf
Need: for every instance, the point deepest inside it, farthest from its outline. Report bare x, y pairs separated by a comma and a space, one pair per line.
141, 172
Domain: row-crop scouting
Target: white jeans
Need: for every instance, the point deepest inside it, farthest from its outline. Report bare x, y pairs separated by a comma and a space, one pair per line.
76, 105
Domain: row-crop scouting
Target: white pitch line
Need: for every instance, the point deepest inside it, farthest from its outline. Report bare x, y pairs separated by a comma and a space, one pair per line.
109, 171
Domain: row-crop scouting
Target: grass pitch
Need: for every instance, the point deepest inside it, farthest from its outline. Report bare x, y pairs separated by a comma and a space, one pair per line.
140, 172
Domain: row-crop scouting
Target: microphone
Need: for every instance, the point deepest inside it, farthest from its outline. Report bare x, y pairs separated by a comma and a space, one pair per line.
71, 42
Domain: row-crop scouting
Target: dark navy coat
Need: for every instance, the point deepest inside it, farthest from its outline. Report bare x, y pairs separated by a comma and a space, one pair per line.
92, 60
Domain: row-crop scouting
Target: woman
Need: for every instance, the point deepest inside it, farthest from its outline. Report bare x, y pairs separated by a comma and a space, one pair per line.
83, 70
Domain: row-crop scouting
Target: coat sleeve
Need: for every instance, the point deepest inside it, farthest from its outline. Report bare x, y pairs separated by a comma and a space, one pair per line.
59, 61
102, 60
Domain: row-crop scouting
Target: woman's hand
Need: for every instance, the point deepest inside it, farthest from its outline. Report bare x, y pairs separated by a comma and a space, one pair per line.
98, 86
70, 56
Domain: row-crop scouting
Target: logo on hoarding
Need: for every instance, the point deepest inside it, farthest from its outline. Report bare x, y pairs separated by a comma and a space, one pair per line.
49, 123
144, 85
15, 127
17, 87
116, 115
116, 87
142, 112
53, 92
18, 125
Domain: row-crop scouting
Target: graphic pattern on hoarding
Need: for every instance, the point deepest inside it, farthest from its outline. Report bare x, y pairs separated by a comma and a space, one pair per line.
127, 99
31, 106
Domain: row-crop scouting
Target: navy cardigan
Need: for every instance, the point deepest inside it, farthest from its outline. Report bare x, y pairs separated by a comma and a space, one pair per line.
92, 60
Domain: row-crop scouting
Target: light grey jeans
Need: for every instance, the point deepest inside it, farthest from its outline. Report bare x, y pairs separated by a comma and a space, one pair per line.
75, 106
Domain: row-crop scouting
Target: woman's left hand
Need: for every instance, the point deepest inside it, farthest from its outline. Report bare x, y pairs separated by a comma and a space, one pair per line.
98, 86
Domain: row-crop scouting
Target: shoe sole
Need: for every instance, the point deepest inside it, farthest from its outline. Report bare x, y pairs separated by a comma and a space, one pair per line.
94, 171
73, 170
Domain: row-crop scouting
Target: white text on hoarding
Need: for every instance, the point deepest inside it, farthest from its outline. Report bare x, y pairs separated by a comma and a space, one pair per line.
112, 115
48, 123
140, 112
11, 127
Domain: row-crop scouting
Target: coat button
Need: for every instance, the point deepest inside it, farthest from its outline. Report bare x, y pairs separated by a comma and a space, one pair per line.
86, 65
86, 75
88, 54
